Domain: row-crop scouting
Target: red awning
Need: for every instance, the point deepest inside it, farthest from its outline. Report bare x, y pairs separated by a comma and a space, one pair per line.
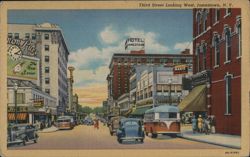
20, 116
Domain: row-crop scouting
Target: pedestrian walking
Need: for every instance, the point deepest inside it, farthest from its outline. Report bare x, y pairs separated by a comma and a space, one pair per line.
213, 124
207, 125
200, 121
194, 124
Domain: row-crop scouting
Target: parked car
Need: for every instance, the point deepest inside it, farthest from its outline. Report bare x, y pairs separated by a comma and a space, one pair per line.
21, 133
88, 121
130, 129
114, 124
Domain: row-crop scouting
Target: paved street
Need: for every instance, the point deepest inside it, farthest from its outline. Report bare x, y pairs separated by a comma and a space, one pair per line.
86, 137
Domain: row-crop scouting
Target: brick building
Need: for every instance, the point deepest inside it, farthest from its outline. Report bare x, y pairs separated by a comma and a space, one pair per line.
121, 64
217, 48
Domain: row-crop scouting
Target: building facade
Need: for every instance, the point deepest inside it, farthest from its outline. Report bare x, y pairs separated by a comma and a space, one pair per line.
33, 105
217, 48
51, 49
121, 64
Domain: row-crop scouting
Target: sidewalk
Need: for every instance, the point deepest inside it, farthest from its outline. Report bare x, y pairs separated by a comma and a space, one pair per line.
225, 140
47, 130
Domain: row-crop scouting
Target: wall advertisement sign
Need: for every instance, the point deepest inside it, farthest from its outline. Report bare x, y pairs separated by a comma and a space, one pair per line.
21, 60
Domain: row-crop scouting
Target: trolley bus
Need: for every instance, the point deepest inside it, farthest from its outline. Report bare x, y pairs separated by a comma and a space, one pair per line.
65, 122
164, 119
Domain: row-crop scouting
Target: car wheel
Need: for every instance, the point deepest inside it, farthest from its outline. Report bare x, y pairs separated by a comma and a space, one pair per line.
154, 135
146, 133
111, 133
35, 140
120, 140
142, 140
24, 142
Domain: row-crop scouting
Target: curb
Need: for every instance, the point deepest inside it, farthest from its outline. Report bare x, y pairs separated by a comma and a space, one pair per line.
219, 144
48, 131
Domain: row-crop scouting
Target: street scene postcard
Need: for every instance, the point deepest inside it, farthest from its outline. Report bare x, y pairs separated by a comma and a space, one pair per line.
124, 78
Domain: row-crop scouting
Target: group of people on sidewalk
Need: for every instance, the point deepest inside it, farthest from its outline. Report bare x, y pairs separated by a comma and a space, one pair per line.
203, 124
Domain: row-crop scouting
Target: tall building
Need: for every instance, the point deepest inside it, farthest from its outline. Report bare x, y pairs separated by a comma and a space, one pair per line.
217, 45
121, 64
47, 42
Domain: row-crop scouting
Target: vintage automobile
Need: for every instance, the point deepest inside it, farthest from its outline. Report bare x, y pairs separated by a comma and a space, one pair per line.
21, 133
130, 129
114, 124
88, 121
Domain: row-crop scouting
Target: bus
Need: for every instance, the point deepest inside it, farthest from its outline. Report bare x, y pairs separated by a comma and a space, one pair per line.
65, 122
164, 119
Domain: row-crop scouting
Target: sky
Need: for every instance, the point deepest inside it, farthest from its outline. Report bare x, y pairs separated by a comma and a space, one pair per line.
92, 36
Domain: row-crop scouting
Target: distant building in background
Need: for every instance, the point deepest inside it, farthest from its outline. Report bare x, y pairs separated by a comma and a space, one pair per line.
46, 42
217, 49
122, 63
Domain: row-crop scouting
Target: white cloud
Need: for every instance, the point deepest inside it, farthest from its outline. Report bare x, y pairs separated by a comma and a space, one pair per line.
151, 43
109, 36
92, 63
184, 45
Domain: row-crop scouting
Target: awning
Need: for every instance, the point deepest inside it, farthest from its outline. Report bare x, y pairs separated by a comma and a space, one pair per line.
140, 111
195, 100
20, 116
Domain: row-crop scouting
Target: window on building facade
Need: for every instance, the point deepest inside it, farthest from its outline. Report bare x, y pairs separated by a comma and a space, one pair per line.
217, 15
204, 61
228, 44
216, 51
228, 11
27, 35
47, 80
9, 35
46, 58
16, 35
33, 36
198, 57
47, 91
238, 25
46, 70
228, 80
46, 47
46, 36
198, 19
20, 98
204, 22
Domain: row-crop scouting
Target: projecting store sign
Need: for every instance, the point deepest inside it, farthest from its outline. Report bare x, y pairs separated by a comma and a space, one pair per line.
180, 69
135, 44
21, 59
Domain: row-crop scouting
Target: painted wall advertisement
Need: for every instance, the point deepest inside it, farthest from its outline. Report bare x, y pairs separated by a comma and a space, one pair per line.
21, 59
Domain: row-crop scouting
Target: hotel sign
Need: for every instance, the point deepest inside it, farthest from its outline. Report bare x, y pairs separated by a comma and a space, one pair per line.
136, 43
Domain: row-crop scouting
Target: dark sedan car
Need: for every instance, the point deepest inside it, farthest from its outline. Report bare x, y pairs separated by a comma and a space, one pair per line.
130, 129
21, 133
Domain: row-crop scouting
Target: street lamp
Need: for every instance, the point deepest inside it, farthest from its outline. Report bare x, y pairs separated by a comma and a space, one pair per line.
15, 97
170, 82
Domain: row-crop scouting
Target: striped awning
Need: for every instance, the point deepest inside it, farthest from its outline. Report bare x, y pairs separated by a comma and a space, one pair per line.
20, 116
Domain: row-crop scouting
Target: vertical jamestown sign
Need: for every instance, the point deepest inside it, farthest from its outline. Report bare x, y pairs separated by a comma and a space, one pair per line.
21, 59
135, 43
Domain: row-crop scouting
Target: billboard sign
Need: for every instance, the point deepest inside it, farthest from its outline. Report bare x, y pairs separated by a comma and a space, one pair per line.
21, 59
180, 69
135, 44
